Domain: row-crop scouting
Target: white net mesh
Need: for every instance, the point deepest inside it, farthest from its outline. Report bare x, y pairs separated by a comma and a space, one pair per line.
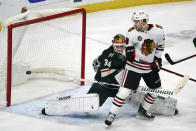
52, 44
3, 83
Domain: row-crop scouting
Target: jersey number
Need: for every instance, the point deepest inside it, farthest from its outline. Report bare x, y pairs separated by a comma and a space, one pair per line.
107, 63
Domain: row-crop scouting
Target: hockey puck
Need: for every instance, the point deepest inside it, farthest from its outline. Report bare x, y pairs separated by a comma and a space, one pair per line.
176, 111
43, 111
194, 41
28, 72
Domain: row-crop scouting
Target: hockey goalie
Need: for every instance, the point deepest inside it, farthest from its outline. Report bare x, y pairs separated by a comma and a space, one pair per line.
91, 102
108, 67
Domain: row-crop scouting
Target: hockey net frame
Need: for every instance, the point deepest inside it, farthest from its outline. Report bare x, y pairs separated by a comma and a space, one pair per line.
37, 20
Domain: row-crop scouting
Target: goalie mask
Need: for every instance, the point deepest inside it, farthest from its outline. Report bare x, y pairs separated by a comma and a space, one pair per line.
119, 42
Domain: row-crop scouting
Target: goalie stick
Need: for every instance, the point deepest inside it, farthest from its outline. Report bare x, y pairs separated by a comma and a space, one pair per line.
61, 76
167, 93
168, 58
161, 92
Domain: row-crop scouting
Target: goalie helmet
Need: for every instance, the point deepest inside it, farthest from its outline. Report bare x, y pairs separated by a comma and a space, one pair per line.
140, 15
119, 42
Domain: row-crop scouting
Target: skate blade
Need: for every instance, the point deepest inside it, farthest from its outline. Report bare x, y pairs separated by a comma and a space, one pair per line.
107, 126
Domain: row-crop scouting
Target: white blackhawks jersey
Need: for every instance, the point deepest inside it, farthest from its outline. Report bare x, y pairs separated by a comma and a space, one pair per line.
147, 45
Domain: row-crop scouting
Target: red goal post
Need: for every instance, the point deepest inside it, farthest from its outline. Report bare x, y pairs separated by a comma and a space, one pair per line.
51, 15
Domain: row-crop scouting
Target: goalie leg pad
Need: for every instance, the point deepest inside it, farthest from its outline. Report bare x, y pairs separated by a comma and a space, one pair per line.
162, 106
82, 103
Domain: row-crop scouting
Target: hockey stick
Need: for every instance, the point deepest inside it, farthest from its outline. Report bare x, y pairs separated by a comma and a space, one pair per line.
181, 84
145, 89
59, 74
164, 92
177, 74
168, 58
169, 71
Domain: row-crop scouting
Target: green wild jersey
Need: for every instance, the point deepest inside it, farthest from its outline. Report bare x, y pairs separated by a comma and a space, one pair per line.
111, 64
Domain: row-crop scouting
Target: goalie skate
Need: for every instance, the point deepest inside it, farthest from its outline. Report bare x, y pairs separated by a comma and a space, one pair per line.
70, 104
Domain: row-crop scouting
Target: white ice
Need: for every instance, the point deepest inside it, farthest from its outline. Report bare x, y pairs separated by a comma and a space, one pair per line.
179, 22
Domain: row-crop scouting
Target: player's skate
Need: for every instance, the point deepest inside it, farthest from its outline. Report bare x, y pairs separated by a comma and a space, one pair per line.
144, 114
110, 119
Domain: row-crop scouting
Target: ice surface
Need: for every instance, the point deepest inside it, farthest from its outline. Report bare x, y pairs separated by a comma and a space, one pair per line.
179, 22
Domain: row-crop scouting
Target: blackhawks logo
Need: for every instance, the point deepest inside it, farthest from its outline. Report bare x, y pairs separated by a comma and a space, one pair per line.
148, 47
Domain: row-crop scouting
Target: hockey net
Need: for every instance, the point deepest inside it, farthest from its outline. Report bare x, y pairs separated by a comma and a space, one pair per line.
42, 44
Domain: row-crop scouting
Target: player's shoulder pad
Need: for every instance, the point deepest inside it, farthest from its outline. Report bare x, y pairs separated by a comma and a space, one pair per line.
130, 29
108, 50
159, 26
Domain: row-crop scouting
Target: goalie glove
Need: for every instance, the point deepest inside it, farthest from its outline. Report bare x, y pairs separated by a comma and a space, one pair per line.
157, 64
130, 53
96, 64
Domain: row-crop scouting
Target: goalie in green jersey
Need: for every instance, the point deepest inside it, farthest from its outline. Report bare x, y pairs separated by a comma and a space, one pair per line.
107, 65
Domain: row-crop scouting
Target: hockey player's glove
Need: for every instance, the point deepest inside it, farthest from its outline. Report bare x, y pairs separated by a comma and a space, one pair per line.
96, 64
130, 53
157, 64
127, 41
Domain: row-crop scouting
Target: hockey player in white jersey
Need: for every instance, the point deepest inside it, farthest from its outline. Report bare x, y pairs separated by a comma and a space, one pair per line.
143, 53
